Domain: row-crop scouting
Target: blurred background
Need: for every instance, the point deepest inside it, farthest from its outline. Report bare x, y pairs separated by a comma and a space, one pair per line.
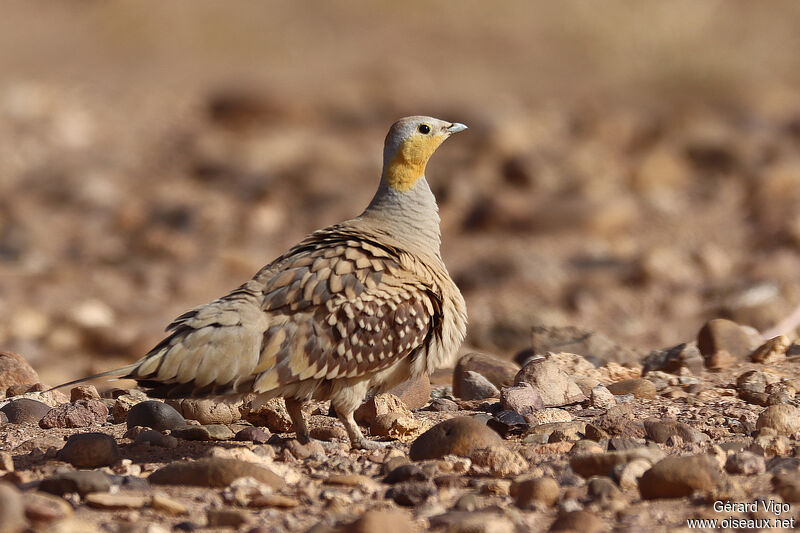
632, 168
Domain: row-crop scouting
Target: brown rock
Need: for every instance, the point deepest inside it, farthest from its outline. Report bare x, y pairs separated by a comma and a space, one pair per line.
639, 387
213, 472
498, 372
12, 519
674, 359
746, 463
415, 392
6, 463
499, 460
25, 411
661, 430
164, 503
474, 386
787, 485
81, 481
83, 413
784, 419
542, 490
412, 493
15, 370
676, 477
456, 436
383, 521
271, 414
227, 518
125, 402
583, 342
582, 521
311, 449
328, 433
553, 385
720, 334
601, 464
380, 404
273, 500
772, 351
602, 398
156, 415
206, 411
258, 435
83, 392
105, 500
521, 398
90, 450
42, 508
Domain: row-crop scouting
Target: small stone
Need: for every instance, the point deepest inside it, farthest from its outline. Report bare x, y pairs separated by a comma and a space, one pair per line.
90, 450
746, 463
508, 423
219, 431
380, 404
156, 415
720, 334
583, 521
552, 384
43, 508
661, 430
602, 489
81, 481
772, 351
640, 388
601, 464
752, 381
164, 503
198, 433
543, 490
415, 392
784, 418
83, 392
273, 500
456, 436
406, 472
550, 415
213, 472
628, 474
25, 411
227, 518
474, 386
206, 411
472, 522
312, 449
124, 402
349, 480
12, 519
787, 485
676, 477
395, 426
602, 398
328, 433
499, 372
382, 521
499, 460
719, 360
254, 434
442, 405
83, 413
156, 439
15, 370
271, 414
105, 500
673, 360
521, 398
6, 463
412, 493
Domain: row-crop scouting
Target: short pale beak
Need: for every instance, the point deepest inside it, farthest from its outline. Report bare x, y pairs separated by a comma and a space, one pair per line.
456, 127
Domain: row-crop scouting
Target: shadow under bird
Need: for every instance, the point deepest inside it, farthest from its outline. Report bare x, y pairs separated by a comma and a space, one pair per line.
353, 308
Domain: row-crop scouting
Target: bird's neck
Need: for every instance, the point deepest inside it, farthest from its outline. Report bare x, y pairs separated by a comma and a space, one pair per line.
411, 216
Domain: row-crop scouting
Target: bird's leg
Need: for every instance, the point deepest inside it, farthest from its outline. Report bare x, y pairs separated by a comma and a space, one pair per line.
357, 439
295, 409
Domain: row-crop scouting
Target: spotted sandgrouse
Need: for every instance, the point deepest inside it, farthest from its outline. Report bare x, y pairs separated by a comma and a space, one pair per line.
356, 307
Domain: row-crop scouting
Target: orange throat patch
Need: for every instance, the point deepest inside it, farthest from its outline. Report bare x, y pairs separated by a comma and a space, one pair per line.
408, 165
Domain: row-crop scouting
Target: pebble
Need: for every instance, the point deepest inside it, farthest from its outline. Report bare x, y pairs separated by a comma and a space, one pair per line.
499, 372
25, 411
473, 386
43, 508
80, 481
164, 503
213, 472
328, 433
601, 464
752, 380
12, 519
406, 472
746, 463
720, 334
382, 521
640, 388
227, 518
473, 522
552, 384
499, 460
783, 418
188, 432
15, 370
123, 403
661, 430
772, 351
271, 414
602, 489
550, 415
258, 435
456, 436
508, 423
83, 413
90, 450
155, 438
602, 398
787, 485
583, 521
83, 392
521, 398
394, 425
412, 493
105, 500
312, 449
380, 404
415, 392
206, 411
442, 405
156, 415
673, 360
628, 474
676, 477
528, 492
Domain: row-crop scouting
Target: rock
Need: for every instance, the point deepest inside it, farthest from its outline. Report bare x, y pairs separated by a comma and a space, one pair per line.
784, 418
719, 360
395, 426
328, 433
628, 474
528, 492
661, 430
602, 489
772, 351
271, 414
3, 418
15, 370
601, 464
752, 381
720, 334
442, 405
198, 433
164, 503
42, 508
787, 485
213, 472
227, 518
380, 404
415, 392
206, 411
156, 415
456, 436
90, 450
472, 522
554, 386
746, 463
406, 472
155, 438
311, 449
676, 477
499, 460
583, 342
383, 521
412, 493
81, 414
474, 386
639, 387
257, 435
25, 411
123, 403
550, 415
104, 500
521, 398
12, 519
81, 481
672, 360
602, 398
498, 372
83, 392
6, 463
508, 423
583, 521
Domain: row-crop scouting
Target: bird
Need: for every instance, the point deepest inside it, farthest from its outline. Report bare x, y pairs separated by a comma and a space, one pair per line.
353, 309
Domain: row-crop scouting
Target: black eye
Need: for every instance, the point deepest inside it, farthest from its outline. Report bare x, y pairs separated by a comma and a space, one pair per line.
424, 129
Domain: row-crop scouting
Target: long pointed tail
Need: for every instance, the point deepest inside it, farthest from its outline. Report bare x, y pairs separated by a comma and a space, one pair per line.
118, 373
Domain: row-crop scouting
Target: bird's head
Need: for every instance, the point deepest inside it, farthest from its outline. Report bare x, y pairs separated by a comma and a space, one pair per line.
410, 143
